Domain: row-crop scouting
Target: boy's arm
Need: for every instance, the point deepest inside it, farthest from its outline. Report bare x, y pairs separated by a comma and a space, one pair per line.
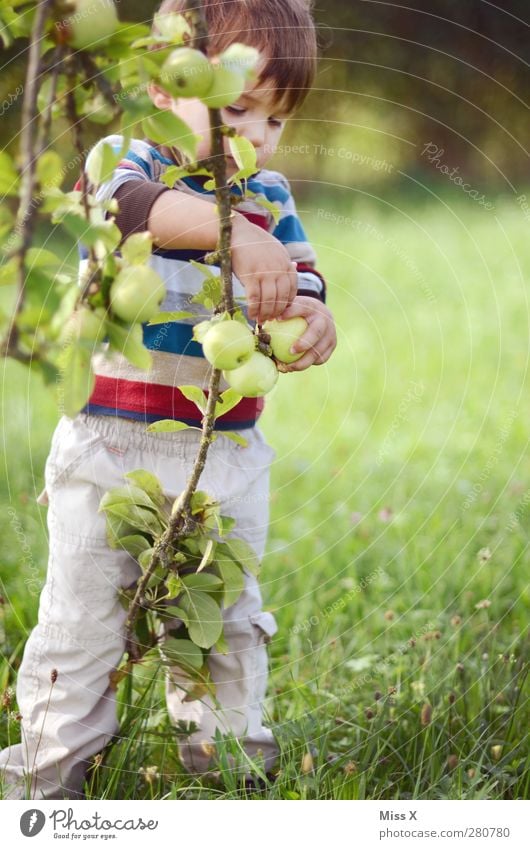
180, 221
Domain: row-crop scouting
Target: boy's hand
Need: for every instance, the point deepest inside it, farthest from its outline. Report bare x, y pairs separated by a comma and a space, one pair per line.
265, 269
320, 339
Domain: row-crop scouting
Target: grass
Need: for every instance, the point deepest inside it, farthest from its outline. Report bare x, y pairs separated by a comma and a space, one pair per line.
399, 529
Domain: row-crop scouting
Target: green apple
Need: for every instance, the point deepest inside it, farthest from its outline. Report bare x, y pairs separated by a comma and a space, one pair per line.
284, 334
228, 344
85, 325
89, 24
187, 73
226, 88
255, 377
136, 293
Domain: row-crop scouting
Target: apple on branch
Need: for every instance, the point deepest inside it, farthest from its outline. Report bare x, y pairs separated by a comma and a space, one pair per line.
86, 23
257, 376
228, 344
187, 73
136, 293
283, 335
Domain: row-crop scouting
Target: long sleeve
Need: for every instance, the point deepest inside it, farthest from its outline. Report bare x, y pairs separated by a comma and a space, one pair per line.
290, 232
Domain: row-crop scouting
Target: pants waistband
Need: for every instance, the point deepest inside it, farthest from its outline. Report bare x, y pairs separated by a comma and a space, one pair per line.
120, 433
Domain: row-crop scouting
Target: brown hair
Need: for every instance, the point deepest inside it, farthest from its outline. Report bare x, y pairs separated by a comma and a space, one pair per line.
283, 30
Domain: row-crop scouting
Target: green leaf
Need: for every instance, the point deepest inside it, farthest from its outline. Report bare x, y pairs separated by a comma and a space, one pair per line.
164, 317
240, 58
271, 207
78, 227
244, 154
49, 169
129, 342
172, 27
144, 560
9, 179
137, 249
227, 401
221, 645
208, 554
242, 553
166, 128
101, 162
196, 395
211, 292
116, 530
174, 585
42, 258
176, 172
233, 579
200, 330
135, 544
226, 524
203, 582
182, 653
9, 272
141, 518
133, 494
205, 619
77, 378
149, 483
234, 437
169, 426
172, 611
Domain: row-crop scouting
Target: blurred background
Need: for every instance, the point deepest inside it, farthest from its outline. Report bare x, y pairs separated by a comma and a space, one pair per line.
392, 80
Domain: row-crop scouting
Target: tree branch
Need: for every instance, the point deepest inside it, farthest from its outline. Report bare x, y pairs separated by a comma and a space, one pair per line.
179, 523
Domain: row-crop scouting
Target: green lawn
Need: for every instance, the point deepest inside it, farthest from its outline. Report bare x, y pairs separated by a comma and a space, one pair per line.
398, 548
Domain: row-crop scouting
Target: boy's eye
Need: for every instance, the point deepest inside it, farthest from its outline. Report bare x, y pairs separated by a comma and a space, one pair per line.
276, 122
234, 110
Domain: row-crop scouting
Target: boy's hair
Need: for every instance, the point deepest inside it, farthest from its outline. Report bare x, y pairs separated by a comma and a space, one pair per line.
283, 30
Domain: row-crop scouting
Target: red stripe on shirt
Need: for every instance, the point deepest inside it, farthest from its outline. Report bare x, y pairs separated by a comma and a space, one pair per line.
168, 401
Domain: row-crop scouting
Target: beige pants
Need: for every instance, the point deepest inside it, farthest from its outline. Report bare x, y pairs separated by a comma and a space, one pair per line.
80, 625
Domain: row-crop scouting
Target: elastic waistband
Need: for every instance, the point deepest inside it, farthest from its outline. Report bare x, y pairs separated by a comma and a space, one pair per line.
120, 433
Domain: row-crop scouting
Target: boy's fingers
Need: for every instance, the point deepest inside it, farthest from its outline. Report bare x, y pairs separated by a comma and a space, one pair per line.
253, 299
309, 339
284, 294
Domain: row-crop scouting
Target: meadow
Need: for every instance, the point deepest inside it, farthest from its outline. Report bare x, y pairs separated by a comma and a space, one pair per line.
397, 560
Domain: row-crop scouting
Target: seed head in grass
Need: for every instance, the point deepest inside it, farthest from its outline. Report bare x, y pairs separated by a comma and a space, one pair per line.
426, 714
483, 604
452, 761
456, 620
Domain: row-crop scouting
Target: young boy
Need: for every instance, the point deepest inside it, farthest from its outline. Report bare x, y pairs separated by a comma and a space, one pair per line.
64, 693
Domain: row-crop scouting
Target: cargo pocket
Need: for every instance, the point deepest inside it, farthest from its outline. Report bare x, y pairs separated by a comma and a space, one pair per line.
73, 443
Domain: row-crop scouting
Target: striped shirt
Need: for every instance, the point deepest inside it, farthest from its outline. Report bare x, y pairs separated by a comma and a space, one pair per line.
124, 390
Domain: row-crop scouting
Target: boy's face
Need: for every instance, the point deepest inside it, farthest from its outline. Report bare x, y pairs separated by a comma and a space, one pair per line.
256, 115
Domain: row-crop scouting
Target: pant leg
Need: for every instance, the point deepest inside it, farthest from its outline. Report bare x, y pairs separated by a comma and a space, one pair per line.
241, 482
79, 635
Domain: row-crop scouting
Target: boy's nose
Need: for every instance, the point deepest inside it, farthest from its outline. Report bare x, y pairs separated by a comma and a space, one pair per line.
255, 133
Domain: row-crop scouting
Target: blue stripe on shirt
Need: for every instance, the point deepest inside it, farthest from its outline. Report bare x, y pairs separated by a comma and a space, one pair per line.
289, 229
173, 338
138, 160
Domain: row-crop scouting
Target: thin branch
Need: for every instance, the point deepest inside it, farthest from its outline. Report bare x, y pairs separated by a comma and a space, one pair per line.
30, 151
179, 524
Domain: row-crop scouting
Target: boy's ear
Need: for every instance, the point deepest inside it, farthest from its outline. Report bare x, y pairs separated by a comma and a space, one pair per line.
160, 97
